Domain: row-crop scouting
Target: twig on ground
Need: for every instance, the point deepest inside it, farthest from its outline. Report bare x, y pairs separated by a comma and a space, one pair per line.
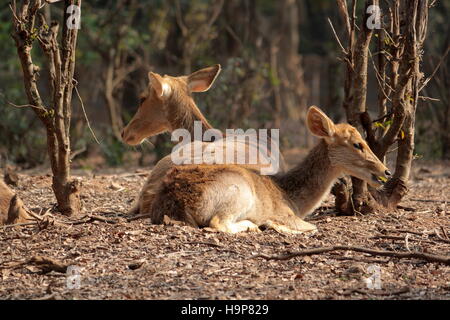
400, 255
439, 236
131, 175
424, 212
370, 261
444, 232
407, 241
429, 201
139, 217
44, 263
52, 296
102, 219
425, 233
48, 264
91, 218
401, 238
376, 292
406, 231
407, 208
34, 223
206, 244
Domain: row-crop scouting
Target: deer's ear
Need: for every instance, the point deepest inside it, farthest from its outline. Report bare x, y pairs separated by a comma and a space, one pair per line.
161, 86
15, 209
319, 124
202, 80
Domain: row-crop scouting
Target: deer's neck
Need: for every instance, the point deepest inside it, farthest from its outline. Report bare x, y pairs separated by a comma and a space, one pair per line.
182, 112
309, 182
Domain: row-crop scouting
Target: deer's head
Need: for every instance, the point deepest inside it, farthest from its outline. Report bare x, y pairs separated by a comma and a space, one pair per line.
347, 150
168, 105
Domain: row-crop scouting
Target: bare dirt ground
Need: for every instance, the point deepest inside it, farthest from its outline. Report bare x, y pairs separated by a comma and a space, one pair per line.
136, 260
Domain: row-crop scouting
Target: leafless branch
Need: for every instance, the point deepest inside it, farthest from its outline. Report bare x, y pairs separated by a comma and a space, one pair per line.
337, 38
425, 83
26, 106
84, 112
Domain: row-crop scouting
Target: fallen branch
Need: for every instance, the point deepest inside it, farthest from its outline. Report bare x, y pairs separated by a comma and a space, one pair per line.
48, 264
401, 238
368, 260
439, 237
430, 201
38, 221
19, 225
47, 220
102, 219
137, 174
400, 255
376, 292
89, 219
215, 245
406, 231
52, 296
139, 217
445, 233
44, 263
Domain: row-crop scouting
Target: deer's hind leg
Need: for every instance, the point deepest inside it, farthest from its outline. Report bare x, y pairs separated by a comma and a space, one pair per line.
223, 223
289, 223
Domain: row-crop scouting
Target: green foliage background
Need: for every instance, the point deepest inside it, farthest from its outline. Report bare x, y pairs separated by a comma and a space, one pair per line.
243, 95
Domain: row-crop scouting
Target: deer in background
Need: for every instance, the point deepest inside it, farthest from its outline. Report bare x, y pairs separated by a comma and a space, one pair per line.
168, 105
234, 199
12, 209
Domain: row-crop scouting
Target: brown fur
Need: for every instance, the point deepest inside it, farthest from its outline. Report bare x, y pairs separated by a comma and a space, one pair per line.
182, 111
160, 112
232, 198
12, 209
184, 186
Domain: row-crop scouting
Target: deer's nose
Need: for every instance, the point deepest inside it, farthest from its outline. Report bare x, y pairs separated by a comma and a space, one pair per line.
388, 173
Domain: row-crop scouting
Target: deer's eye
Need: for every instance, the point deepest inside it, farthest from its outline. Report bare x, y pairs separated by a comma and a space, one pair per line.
142, 100
358, 146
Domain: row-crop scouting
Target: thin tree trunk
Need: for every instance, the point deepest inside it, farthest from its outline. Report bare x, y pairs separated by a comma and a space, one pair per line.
406, 35
55, 118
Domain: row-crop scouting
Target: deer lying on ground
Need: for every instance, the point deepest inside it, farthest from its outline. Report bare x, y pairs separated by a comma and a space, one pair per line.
12, 209
168, 105
234, 199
